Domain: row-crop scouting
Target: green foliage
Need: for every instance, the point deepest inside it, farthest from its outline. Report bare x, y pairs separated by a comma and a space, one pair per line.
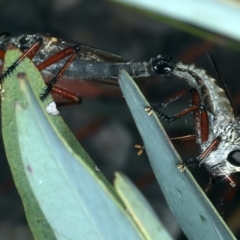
64, 196
190, 206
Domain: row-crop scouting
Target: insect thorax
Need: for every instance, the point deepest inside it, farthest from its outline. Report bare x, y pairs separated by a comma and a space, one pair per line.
25, 41
229, 134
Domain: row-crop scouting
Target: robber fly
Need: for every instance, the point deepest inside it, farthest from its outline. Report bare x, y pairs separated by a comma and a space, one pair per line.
216, 120
217, 124
72, 60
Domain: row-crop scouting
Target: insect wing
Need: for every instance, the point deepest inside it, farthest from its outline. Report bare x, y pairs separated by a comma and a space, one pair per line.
87, 53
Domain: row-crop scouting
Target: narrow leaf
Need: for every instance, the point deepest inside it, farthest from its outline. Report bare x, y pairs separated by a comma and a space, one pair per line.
63, 194
190, 206
140, 210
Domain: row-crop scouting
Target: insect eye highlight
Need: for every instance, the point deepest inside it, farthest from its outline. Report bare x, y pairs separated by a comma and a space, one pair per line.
163, 65
234, 158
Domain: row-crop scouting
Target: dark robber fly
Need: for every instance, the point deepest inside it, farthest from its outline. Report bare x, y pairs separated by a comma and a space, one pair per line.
72, 60
217, 125
216, 121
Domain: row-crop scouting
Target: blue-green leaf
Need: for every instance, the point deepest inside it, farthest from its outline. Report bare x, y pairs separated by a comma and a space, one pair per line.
141, 212
190, 206
63, 195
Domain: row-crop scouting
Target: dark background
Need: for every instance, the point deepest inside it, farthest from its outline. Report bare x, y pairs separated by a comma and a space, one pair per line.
103, 123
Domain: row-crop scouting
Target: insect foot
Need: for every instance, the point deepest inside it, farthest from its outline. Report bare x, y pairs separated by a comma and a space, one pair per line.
181, 167
148, 110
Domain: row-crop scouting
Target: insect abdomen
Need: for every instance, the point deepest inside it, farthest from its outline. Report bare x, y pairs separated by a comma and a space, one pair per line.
212, 96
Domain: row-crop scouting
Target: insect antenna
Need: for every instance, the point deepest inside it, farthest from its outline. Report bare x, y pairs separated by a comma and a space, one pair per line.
221, 81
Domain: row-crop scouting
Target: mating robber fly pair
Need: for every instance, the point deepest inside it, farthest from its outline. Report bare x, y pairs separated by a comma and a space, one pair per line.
216, 121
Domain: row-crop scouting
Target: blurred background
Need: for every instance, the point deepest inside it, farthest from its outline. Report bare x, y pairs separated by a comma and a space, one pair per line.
102, 123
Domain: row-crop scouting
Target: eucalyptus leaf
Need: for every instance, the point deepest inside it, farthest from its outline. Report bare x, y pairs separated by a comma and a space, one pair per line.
188, 21
63, 194
140, 210
189, 205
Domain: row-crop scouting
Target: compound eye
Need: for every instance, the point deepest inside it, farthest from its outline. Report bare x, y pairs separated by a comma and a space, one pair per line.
234, 158
163, 65
163, 69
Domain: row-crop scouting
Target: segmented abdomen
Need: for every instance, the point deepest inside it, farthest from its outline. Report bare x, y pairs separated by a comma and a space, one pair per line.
101, 70
212, 95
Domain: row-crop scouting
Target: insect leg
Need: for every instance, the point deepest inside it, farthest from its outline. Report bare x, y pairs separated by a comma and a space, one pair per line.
209, 149
200, 116
30, 52
184, 138
228, 198
66, 94
223, 203
200, 159
156, 107
56, 89
210, 184
194, 108
71, 51
2, 54
178, 115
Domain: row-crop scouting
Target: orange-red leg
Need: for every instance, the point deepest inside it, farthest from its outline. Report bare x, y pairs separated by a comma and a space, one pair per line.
199, 111
31, 52
224, 201
51, 84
